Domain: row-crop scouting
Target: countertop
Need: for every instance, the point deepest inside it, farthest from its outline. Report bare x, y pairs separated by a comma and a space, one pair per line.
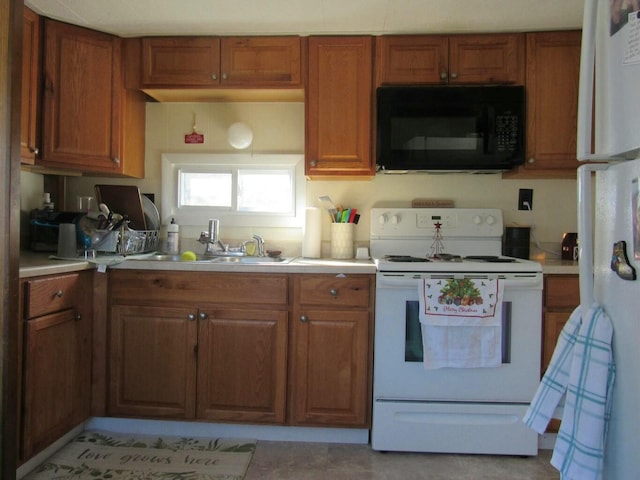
35, 264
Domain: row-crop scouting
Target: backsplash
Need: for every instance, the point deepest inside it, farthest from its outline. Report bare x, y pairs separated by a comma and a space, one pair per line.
279, 128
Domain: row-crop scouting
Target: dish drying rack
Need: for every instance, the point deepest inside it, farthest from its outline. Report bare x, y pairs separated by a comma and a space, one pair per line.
126, 241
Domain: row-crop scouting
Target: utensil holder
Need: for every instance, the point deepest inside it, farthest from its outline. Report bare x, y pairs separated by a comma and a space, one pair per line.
342, 240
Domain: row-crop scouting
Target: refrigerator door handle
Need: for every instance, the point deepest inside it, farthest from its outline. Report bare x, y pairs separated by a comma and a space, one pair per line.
585, 92
585, 232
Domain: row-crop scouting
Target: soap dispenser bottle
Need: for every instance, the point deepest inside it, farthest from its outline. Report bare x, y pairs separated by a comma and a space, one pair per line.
173, 237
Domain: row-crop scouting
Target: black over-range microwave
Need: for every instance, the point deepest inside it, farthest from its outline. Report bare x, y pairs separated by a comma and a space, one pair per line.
453, 128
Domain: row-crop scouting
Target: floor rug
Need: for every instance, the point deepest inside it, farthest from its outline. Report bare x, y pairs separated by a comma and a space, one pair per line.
100, 455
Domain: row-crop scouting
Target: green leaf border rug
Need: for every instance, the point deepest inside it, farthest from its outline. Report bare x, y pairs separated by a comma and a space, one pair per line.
98, 455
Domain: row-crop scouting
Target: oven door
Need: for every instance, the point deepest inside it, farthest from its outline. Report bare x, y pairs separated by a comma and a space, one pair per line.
399, 373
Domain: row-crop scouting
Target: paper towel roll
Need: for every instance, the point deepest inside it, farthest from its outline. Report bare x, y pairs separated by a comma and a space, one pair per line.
312, 235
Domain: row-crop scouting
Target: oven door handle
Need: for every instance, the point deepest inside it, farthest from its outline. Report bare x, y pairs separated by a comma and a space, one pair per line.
525, 281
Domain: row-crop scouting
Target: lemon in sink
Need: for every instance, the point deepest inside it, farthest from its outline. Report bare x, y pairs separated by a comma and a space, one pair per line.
188, 256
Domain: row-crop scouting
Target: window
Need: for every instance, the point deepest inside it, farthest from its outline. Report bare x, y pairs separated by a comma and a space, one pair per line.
240, 190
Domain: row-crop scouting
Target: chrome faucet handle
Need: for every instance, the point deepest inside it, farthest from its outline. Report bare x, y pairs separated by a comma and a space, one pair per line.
204, 237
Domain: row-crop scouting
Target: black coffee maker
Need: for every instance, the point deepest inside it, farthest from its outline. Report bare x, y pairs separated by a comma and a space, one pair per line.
569, 246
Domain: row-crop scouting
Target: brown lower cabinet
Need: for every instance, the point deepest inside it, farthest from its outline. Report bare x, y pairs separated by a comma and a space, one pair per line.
56, 358
221, 347
561, 297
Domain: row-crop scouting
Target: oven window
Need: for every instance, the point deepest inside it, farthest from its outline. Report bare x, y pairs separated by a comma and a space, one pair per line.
413, 333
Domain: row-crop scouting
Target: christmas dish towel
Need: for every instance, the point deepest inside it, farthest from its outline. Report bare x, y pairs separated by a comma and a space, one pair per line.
461, 322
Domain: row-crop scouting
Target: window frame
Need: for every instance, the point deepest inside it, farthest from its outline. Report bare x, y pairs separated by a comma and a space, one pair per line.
172, 163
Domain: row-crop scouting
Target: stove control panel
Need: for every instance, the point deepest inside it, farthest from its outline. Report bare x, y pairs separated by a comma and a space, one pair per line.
423, 222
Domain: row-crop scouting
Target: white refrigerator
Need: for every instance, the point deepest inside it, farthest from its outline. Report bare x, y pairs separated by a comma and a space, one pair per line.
609, 207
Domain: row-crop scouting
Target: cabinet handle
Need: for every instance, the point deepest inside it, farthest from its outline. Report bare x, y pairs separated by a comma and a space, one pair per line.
443, 75
203, 316
116, 160
531, 160
454, 75
304, 318
333, 292
58, 294
34, 150
78, 317
224, 76
191, 317
214, 77
313, 163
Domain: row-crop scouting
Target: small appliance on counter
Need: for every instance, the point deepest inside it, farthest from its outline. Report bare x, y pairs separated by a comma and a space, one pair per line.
44, 227
515, 242
569, 246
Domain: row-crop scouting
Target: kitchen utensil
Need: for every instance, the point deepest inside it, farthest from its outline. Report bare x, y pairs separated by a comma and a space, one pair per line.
124, 199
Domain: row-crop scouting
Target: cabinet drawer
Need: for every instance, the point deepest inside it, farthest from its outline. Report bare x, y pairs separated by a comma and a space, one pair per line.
47, 295
149, 287
561, 291
352, 291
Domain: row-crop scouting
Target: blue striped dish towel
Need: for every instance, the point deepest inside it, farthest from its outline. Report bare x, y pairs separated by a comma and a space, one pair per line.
583, 368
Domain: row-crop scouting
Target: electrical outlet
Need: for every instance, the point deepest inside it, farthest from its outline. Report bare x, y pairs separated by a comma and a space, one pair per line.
525, 195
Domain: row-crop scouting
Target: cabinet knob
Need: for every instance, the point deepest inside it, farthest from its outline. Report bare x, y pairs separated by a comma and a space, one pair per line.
454, 75
34, 150
531, 160
59, 294
191, 317
224, 76
214, 77
78, 317
443, 75
313, 163
304, 318
116, 160
333, 292
203, 316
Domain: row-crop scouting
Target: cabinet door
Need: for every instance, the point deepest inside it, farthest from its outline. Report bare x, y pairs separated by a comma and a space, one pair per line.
30, 86
487, 59
181, 62
81, 99
338, 107
57, 377
329, 368
553, 65
153, 362
242, 357
411, 59
260, 61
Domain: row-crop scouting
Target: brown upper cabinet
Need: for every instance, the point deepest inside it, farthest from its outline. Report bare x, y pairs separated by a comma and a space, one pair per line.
196, 62
553, 75
450, 59
31, 48
338, 107
92, 122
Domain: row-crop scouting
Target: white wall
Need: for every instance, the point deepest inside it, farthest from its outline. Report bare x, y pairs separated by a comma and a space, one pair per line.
279, 127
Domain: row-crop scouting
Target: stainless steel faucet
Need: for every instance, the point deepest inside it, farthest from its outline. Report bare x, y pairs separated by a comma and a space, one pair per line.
212, 237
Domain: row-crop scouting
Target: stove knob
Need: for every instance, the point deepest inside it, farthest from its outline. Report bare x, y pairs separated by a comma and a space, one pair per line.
395, 219
491, 220
477, 219
382, 219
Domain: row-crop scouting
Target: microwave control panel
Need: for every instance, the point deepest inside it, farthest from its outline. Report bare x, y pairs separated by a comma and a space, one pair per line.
507, 133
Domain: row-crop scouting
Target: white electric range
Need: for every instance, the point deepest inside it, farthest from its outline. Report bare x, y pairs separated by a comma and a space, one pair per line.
462, 410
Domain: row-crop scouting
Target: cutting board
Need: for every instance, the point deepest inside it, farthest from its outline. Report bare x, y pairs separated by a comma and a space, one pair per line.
125, 200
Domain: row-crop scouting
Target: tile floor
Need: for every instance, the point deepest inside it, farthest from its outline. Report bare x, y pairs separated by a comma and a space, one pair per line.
320, 461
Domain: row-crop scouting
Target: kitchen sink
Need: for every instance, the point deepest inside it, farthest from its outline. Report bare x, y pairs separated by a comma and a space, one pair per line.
230, 260
251, 260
